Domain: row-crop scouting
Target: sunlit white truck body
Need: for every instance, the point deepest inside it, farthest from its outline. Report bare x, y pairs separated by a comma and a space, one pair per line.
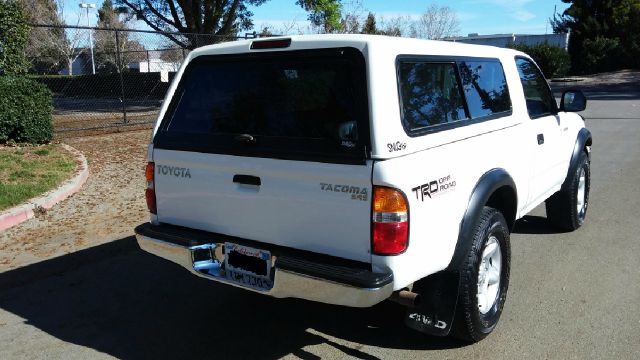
275, 150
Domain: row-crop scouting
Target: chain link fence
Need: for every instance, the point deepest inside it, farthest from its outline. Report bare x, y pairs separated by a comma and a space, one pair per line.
108, 79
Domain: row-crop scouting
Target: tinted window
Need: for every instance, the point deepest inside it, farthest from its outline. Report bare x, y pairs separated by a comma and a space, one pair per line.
485, 87
299, 99
430, 94
288, 102
540, 101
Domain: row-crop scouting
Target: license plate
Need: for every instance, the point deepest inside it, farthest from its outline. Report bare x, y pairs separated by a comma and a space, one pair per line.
248, 266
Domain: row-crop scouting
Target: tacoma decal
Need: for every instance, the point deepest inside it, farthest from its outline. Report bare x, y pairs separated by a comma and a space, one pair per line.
173, 171
357, 193
434, 187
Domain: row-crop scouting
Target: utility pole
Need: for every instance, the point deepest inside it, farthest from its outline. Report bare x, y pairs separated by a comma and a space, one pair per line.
90, 6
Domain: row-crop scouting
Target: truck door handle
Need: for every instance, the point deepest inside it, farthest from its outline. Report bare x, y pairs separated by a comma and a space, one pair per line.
247, 180
540, 139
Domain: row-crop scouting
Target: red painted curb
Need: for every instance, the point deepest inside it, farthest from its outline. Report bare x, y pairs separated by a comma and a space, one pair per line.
23, 212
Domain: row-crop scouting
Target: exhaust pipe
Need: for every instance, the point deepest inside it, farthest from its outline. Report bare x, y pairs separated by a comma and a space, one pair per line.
406, 298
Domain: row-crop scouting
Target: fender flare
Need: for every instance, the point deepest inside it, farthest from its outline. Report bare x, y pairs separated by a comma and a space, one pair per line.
583, 140
491, 181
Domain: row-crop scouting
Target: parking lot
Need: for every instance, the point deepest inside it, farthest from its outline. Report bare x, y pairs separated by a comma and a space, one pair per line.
571, 296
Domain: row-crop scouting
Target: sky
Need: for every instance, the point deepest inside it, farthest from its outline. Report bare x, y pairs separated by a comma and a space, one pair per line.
484, 17
475, 16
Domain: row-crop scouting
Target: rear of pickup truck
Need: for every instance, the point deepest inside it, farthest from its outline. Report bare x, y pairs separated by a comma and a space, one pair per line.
259, 175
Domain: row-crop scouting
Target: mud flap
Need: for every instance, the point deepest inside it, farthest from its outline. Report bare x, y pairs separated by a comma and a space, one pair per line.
436, 309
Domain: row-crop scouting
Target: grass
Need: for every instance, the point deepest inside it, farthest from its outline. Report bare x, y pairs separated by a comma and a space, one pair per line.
26, 172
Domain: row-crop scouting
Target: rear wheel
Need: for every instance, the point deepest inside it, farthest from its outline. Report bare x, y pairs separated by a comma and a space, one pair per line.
484, 278
567, 208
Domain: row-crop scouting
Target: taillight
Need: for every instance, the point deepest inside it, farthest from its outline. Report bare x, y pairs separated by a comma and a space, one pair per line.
390, 221
150, 192
271, 44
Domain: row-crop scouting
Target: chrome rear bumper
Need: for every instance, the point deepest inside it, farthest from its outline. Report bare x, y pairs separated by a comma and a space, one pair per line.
286, 282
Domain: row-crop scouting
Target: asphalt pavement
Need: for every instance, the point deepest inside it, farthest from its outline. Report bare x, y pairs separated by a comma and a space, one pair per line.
572, 295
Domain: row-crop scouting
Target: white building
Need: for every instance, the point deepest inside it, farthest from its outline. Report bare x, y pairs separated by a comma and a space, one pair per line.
155, 64
502, 40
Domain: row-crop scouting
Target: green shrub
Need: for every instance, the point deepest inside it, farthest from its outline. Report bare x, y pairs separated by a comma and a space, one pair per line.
26, 111
553, 60
136, 85
14, 34
601, 54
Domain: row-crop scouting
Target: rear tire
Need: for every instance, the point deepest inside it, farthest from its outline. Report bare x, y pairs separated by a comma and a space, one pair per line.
567, 208
484, 278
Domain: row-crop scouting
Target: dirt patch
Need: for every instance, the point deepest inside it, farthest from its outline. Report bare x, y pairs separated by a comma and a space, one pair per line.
108, 207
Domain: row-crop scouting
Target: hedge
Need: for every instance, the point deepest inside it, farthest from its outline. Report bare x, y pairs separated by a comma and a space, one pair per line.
14, 35
136, 85
26, 111
553, 60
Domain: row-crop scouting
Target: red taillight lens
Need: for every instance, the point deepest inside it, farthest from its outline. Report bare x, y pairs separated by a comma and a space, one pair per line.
150, 192
151, 200
390, 238
271, 44
390, 221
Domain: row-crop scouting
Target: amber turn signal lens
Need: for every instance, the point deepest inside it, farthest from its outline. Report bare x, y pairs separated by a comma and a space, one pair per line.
149, 171
388, 200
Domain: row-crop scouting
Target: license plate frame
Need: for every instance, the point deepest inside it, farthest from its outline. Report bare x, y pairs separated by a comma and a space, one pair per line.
235, 273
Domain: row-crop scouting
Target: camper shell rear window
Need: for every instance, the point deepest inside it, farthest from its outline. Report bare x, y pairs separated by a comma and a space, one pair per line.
299, 105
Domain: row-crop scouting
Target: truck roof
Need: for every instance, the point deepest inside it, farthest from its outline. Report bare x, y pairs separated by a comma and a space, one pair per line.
392, 46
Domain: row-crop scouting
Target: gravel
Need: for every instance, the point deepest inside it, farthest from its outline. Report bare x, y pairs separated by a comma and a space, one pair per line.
108, 207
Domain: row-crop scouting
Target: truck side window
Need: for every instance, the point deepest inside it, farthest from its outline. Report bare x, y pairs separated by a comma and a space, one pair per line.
485, 87
430, 94
539, 99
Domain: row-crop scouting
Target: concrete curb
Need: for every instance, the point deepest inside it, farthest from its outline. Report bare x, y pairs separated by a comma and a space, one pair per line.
23, 212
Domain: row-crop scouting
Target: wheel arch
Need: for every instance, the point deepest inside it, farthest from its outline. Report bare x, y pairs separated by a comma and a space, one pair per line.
496, 189
583, 143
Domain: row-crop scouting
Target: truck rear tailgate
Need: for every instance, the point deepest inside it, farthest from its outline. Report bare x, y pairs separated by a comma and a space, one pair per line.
270, 147
317, 207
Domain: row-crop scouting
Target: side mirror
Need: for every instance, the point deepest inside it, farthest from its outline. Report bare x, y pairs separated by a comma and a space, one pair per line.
573, 101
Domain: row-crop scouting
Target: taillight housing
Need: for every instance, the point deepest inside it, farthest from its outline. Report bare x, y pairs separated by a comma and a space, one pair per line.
150, 192
390, 222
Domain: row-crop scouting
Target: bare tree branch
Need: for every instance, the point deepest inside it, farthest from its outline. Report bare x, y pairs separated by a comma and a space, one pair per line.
438, 22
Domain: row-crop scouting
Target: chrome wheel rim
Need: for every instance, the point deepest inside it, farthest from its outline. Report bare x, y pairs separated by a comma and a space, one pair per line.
582, 186
489, 275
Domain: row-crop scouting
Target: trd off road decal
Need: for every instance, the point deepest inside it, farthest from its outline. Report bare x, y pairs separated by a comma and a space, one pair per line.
357, 193
434, 188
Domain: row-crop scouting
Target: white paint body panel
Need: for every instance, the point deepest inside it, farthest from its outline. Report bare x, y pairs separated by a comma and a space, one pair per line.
290, 208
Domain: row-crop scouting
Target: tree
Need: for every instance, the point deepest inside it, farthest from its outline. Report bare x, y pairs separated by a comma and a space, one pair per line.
598, 26
14, 35
553, 60
437, 23
169, 52
323, 14
370, 26
42, 50
115, 52
50, 48
220, 19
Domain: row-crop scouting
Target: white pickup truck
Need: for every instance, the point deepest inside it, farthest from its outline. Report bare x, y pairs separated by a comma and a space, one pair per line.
350, 169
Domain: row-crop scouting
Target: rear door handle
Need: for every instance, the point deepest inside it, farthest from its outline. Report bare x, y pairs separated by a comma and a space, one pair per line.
247, 180
540, 139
